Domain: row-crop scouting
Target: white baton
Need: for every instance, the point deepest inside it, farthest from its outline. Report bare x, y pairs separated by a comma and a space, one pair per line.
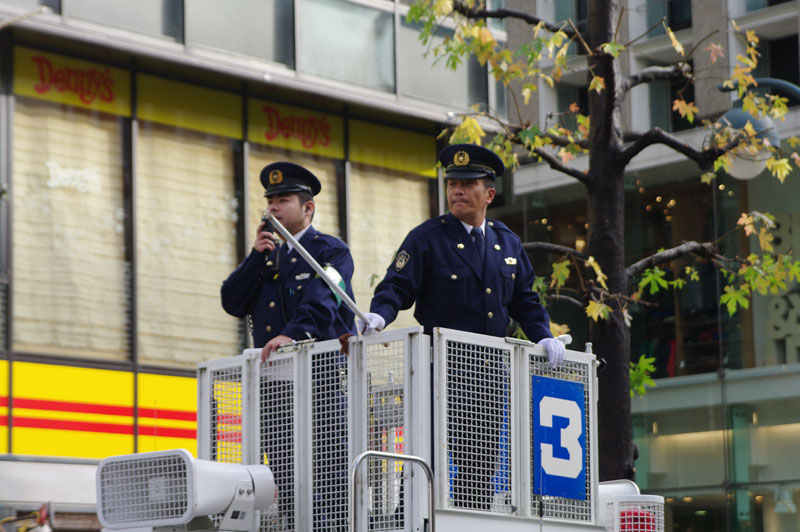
317, 268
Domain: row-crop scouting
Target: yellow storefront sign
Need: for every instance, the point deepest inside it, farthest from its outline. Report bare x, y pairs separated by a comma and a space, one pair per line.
167, 413
61, 79
3, 406
393, 148
71, 411
189, 106
294, 128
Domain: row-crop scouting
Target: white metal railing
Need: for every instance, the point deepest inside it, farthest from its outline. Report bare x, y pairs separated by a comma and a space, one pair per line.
506, 434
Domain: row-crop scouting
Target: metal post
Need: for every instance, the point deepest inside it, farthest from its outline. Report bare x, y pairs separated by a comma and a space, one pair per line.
392, 456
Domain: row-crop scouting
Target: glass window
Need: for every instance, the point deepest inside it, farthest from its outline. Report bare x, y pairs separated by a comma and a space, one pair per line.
186, 245
326, 213
776, 320
71, 274
677, 12
662, 94
55, 5
377, 226
780, 59
346, 42
154, 17
264, 28
421, 78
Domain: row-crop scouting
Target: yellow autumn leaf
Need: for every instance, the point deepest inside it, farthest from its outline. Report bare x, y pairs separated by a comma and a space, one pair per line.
565, 156
780, 168
748, 129
597, 84
751, 36
707, 178
746, 220
796, 158
597, 310
557, 329
485, 35
765, 240
574, 108
685, 109
442, 8
675, 44
735, 25
526, 95
601, 277
793, 141
716, 51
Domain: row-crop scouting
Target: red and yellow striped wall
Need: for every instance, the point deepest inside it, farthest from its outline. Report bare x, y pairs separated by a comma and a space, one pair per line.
89, 413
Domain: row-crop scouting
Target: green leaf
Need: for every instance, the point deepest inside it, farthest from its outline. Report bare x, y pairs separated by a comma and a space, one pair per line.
640, 373
612, 48
733, 298
560, 274
654, 278
528, 136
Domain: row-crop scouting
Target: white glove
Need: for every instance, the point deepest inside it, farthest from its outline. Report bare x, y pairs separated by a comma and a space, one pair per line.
555, 350
375, 323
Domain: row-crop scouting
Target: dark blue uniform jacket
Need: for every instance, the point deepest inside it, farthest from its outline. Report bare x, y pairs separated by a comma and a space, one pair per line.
438, 268
263, 283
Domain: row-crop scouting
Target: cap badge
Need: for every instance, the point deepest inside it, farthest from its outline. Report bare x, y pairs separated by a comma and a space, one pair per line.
402, 259
275, 177
461, 158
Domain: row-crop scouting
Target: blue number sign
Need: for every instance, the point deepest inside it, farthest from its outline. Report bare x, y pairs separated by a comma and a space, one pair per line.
559, 438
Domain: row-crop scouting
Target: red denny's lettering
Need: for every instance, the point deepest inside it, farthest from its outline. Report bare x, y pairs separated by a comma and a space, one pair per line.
310, 130
88, 83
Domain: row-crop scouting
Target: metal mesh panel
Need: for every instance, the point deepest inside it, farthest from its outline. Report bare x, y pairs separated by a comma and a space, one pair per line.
143, 490
226, 415
276, 436
634, 516
329, 441
478, 426
386, 479
559, 507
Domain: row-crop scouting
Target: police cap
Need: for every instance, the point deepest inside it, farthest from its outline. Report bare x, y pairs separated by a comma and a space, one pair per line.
469, 161
285, 178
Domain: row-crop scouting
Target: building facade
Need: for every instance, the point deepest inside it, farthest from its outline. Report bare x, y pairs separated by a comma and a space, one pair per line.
719, 434
132, 135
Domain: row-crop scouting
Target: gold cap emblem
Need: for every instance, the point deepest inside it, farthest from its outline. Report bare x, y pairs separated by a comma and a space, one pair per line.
461, 158
275, 177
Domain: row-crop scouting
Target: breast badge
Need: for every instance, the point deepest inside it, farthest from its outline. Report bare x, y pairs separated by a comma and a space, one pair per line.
402, 259
511, 261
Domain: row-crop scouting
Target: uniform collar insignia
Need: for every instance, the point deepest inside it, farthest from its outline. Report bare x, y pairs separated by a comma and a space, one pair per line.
511, 261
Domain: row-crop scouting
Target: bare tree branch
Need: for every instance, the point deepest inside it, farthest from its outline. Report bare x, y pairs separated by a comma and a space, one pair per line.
501, 13
555, 164
704, 249
703, 158
561, 140
552, 248
654, 73
567, 299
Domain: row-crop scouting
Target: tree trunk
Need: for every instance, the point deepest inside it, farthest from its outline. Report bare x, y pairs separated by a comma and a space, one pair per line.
606, 217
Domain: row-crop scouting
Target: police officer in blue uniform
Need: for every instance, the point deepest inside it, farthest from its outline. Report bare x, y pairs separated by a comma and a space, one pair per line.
287, 301
468, 273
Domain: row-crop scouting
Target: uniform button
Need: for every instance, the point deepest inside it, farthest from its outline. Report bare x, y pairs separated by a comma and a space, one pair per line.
490, 315
454, 277
460, 245
269, 328
442, 220
299, 287
271, 304
488, 290
491, 224
294, 259
269, 263
513, 275
497, 247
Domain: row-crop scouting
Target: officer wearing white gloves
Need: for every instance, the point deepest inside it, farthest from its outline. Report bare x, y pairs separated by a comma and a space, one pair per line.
463, 271
467, 273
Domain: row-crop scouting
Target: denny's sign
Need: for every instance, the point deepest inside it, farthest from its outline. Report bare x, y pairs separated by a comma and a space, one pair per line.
71, 81
294, 128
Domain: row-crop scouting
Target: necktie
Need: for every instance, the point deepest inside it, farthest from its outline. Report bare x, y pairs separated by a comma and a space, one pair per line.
477, 235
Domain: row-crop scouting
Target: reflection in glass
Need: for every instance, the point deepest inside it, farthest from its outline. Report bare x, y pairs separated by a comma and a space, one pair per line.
264, 28
71, 277
421, 77
346, 42
153, 17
